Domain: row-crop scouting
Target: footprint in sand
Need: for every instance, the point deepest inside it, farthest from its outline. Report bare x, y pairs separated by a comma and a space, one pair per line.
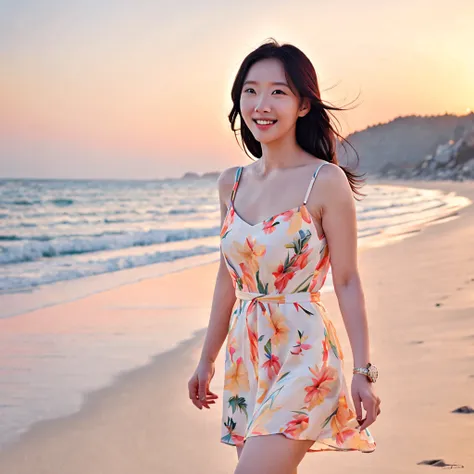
440, 463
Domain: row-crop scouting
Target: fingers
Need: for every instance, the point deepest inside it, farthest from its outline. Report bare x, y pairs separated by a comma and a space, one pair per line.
199, 398
192, 389
378, 407
203, 392
204, 403
371, 405
357, 405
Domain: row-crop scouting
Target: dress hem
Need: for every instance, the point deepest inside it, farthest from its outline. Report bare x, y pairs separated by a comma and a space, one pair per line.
330, 447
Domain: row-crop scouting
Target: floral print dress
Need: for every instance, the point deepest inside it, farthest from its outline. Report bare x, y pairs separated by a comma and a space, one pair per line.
283, 361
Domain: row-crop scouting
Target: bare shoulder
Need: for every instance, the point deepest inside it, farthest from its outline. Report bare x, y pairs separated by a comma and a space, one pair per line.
333, 183
225, 182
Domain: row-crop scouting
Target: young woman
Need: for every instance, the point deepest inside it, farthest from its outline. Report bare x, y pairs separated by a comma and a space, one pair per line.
285, 219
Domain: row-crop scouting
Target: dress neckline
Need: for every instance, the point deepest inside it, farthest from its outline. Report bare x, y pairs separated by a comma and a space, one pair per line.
257, 224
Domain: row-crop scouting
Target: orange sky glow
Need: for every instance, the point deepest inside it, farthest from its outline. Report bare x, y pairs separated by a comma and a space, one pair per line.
142, 90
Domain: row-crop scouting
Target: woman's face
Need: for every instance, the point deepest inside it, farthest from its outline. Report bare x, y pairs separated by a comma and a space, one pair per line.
266, 95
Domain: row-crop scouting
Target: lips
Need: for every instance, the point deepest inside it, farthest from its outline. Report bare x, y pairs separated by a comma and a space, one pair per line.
268, 120
266, 126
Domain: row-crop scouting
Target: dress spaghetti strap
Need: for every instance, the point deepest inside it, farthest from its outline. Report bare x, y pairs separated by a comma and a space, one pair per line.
238, 174
315, 174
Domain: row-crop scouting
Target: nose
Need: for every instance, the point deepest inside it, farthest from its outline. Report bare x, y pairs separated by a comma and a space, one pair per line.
261, 105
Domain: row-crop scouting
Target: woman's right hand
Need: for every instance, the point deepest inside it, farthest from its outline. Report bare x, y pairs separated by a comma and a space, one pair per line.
198, 385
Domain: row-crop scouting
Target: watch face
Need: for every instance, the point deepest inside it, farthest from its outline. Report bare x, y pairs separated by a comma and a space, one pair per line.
373, 373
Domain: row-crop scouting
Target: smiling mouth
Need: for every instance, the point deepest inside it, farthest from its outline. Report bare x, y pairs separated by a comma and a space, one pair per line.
271, 121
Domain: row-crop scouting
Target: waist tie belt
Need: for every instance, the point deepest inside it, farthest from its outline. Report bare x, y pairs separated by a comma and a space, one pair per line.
297, 297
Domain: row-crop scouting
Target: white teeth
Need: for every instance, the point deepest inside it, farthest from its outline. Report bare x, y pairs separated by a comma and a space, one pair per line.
265, 122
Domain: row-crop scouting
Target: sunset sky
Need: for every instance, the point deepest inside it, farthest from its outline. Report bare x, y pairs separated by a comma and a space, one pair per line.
141, 89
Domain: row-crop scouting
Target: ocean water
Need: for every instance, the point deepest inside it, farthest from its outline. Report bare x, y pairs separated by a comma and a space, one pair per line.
61, 240
52, 231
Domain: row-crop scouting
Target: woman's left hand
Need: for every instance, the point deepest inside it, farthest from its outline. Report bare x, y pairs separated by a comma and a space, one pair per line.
363, 395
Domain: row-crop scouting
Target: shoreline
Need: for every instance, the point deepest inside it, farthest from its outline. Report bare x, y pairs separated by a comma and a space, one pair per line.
127, 403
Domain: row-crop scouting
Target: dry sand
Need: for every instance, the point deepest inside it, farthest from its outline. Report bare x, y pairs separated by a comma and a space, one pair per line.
420, 301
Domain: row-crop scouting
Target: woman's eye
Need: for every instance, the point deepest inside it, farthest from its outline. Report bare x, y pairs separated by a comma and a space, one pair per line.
250, 89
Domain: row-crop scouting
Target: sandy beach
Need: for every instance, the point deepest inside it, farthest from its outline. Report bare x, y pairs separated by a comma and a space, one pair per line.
420, 302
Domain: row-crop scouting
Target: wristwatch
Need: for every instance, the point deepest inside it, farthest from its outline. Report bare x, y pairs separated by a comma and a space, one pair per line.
370, 371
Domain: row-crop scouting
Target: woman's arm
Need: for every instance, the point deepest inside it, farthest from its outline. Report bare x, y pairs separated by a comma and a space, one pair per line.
224, 292
222, 303
340, 228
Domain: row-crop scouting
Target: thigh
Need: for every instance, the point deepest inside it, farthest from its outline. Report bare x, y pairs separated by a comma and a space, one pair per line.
273, 453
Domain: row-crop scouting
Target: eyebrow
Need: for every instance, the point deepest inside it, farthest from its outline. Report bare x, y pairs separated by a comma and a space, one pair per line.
274, 83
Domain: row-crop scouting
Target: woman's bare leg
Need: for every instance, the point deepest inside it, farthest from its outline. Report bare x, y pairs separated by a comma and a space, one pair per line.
239, 453
271, 453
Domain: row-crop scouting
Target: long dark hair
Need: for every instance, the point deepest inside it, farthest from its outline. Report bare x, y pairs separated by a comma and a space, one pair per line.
314, 132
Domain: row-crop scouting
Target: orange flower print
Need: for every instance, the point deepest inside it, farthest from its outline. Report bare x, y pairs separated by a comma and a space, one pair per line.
272, 364
297, 425
324, 383
320, 272
253, 342
324, 261
232, 346
314, 281
302, 259
277, 322
295, 222
256, 302
286, 271
248, 279
340, 422
269, 225
266, 413
264, 386
282, 277
237, 439
288, 215
300, 346
236, 377
305, 214
249, 252
325, 351
332, 338
229, 219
